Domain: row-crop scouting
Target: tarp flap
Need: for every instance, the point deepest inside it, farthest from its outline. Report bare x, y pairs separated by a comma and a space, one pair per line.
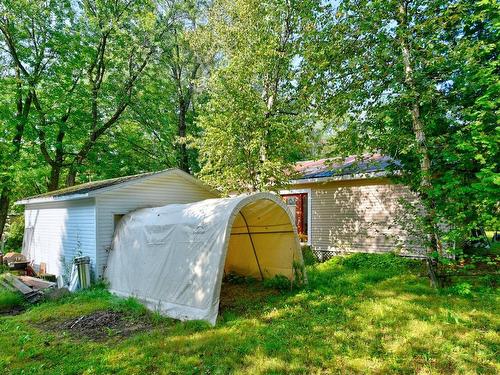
173, 257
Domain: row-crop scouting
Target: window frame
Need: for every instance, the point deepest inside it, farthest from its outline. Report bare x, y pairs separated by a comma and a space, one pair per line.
309, 210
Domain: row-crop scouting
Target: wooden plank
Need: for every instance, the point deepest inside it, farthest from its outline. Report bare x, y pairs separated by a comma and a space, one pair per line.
23, 288
12, 280
36, 283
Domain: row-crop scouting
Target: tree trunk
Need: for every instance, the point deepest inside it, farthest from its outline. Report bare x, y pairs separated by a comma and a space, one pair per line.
420, 137
55, 174
418, 128
183, 154
56, 166
4, 210
71, 178
22, 111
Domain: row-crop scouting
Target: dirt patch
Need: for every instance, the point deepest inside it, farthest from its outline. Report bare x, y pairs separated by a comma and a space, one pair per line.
242, 297
101, 325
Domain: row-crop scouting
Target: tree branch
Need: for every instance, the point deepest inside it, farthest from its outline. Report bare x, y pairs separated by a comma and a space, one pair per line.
4, 28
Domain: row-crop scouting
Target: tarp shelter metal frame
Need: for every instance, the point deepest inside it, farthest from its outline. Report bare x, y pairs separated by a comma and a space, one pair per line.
173, 258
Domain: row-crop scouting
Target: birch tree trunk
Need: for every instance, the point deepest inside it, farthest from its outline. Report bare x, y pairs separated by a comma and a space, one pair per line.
420, 138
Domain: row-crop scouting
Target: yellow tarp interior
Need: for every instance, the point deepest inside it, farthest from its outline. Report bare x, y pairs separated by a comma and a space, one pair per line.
261, 242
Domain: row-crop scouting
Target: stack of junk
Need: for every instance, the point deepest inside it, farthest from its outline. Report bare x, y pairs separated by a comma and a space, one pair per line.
34, 285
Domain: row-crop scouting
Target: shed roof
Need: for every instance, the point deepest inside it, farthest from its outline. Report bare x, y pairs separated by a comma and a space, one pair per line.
91, 189
366, 166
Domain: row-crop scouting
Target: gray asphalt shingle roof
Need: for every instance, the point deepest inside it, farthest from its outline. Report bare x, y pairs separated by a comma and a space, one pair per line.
352, 165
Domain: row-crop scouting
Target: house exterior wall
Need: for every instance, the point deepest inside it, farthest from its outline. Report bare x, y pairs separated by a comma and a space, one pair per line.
57, 232
153, 192
359, 216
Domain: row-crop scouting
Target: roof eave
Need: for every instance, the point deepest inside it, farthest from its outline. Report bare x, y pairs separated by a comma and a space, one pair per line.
173, 171
89, 194
358, 176
51, 199
123, 184
99, 191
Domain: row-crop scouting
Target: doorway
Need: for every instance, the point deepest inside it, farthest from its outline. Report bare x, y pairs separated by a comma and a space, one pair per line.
298, 205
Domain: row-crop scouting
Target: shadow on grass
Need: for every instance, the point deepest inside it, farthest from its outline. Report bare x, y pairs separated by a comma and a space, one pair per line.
349, 318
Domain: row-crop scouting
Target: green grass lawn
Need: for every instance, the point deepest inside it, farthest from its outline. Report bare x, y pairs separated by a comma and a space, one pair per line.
362, 314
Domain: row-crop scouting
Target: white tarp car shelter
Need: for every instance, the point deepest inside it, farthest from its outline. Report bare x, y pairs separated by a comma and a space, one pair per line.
173, 258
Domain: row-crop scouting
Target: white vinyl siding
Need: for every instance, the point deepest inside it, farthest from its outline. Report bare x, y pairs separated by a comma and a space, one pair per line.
57, 232
360, 216
70, 227
153, 192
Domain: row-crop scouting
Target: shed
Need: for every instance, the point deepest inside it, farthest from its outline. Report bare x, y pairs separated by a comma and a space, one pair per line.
81, 220
173, 258
352, 205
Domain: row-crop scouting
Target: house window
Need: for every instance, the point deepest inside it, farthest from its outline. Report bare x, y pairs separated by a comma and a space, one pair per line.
298, 205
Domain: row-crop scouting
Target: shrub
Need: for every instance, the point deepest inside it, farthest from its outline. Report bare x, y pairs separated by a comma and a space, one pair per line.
462, 289
308, 256
279, 282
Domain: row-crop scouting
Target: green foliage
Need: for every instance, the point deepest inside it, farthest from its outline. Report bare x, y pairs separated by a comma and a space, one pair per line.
69, 73
94, 90
279, 282
10, 300
240, 90
435, 61
130, 306
196, 325
255, 121
472, 286
308, 256
389, 262
462, 289
14, 234
299, 273
490, 281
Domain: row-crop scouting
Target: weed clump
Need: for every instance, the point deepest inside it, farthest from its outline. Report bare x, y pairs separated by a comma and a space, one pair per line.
308, 256
463, 289
10, 300
388, 263
279, 282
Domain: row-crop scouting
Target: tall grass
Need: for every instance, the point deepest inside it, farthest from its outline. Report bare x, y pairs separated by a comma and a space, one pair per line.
10, 300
